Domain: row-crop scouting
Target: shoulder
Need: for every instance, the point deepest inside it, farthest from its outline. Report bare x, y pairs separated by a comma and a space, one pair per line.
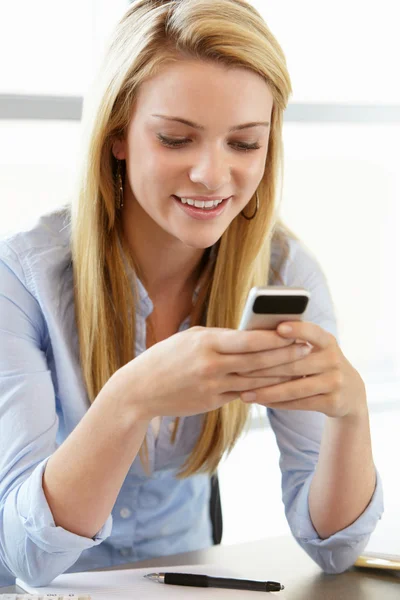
48, 231
292, 259
39, 251
298, 266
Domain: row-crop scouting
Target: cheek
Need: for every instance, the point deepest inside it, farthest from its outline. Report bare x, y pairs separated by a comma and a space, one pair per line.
161, 162
148, 163
252, 172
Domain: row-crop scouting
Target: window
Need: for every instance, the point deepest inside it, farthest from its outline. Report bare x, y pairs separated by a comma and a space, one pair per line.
52, 48
344, 52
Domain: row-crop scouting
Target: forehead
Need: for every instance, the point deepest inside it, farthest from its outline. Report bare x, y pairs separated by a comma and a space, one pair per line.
200, 90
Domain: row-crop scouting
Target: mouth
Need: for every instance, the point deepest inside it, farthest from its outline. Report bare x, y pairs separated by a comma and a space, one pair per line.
202, 210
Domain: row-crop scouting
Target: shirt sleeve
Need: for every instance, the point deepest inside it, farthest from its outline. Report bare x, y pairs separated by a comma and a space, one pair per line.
299, 433
32, 547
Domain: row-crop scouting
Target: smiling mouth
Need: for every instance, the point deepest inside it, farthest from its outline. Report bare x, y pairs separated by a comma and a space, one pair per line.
202, 212
201, 204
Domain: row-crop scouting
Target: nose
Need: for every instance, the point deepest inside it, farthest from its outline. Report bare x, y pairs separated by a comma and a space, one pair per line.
212, 170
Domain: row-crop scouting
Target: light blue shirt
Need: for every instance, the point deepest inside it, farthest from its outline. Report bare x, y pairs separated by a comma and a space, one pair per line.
43, 398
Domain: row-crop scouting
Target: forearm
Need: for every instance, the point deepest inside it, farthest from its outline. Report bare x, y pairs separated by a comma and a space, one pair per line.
83, 477
344, 479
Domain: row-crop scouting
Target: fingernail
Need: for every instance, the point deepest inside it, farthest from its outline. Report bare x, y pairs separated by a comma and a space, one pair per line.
248, 396
303, 350
284, 328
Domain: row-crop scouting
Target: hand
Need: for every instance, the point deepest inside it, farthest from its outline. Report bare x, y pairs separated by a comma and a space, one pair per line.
199, 370
323, 381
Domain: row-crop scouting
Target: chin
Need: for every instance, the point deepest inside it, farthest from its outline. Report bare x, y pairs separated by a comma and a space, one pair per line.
201, 242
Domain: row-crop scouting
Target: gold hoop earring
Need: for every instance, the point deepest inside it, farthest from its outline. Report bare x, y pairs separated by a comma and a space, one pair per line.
255, 212
120, 188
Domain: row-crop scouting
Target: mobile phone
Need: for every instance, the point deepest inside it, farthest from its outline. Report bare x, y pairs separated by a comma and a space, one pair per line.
267, 307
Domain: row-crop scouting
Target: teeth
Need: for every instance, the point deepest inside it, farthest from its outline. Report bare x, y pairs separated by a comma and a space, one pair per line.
200, 203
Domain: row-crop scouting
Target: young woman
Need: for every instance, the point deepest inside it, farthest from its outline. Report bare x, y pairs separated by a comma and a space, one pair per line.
123, 377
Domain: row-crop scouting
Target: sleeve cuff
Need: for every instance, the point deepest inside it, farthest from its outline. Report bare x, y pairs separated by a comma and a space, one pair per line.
37, 519
351, 536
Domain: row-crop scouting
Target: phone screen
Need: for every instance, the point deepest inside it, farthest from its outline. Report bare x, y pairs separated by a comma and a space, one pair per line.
268, 306
278, 305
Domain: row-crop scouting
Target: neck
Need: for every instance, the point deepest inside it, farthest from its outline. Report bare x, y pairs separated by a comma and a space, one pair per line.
168, 268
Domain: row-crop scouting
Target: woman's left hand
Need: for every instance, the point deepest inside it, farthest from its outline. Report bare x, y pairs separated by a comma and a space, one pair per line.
323, 381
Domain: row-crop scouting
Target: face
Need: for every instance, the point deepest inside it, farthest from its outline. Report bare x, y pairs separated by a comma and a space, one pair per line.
211, 155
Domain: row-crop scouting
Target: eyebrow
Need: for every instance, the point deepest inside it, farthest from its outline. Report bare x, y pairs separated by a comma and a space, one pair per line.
196, 126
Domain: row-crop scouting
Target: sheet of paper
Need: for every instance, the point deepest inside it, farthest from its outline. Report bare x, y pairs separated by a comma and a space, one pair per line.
131, 585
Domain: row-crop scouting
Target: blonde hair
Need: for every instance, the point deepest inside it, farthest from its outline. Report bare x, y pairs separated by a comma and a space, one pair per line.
150, 33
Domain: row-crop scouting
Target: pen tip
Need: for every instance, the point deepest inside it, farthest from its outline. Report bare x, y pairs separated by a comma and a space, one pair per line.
282, 587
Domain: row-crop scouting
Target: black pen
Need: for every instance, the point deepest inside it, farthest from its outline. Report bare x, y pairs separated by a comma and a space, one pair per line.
215, 582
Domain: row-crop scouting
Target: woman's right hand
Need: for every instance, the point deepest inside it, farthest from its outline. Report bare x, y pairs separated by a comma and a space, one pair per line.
200, 369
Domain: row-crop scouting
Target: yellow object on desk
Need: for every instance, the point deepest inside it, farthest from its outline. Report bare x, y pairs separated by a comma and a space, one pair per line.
383, 548
378, 562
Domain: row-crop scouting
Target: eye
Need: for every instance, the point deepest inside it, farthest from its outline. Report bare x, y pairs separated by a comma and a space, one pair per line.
174, 143
171, 143
244, 147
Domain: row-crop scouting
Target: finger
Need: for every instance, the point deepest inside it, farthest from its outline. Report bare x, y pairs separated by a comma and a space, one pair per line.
315, 403
263, 363
314, 364
233, 341
294, 390
238, 383
253, 361
308, 332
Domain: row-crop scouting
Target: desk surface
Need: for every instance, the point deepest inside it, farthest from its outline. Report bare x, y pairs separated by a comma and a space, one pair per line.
281, 559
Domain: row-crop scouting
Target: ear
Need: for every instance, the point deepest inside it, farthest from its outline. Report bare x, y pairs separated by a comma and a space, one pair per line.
118, 149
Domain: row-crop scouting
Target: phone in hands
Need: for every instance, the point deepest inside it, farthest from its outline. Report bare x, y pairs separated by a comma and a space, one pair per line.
267, 307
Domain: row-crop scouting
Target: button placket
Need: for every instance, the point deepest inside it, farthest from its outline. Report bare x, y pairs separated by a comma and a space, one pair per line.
164, 449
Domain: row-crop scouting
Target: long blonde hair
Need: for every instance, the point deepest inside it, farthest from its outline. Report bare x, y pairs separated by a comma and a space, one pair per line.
150, 33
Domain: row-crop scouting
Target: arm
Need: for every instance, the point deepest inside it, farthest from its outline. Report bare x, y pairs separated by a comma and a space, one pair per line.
299, 436
36, 545
99, 452
332, 493
344, 479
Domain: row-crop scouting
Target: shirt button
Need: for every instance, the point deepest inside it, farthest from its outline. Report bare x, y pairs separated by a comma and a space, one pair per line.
125, 551
125, 513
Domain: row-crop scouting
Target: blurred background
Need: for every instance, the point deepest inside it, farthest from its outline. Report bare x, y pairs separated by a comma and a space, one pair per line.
341, 192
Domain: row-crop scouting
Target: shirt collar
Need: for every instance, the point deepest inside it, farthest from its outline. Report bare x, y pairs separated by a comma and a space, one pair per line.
146, 306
